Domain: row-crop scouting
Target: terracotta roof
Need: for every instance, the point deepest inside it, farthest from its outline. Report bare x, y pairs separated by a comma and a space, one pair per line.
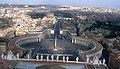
116, 55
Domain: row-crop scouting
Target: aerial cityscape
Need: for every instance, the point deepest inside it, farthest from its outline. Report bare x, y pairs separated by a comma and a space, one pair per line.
59, 36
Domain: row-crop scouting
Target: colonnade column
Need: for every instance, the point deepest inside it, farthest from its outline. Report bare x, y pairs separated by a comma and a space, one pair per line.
72, 40
75, 40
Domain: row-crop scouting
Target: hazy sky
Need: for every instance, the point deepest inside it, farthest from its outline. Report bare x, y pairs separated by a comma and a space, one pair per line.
99, 3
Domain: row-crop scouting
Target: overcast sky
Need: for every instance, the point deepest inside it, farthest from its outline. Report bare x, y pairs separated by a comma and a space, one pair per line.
98, 3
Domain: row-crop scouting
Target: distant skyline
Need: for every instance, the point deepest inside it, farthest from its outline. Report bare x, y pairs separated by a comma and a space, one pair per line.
91, 3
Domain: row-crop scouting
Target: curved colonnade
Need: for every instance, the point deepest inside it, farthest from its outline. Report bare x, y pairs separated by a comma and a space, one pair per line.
95, 51
15, 43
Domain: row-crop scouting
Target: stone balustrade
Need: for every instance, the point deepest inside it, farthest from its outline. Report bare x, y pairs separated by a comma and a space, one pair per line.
51, 58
